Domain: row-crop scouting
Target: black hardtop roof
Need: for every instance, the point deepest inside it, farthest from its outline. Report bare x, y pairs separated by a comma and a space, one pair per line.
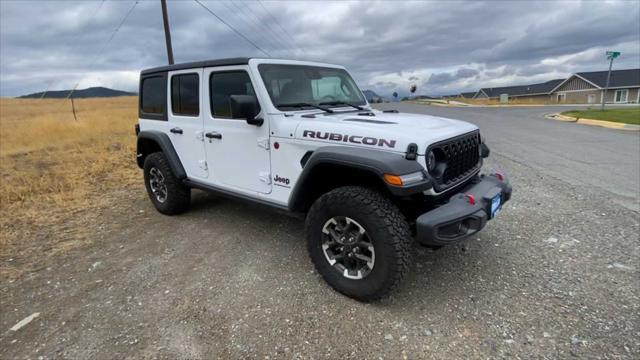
198, 64
619, 78
522, 90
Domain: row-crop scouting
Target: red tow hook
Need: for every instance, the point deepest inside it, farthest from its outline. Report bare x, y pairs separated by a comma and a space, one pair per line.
500, 176
471, 199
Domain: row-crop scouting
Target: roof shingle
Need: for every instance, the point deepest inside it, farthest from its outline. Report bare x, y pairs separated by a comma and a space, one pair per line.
523, 90
619, 78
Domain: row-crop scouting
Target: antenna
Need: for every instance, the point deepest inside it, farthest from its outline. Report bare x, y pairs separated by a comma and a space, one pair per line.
167, 32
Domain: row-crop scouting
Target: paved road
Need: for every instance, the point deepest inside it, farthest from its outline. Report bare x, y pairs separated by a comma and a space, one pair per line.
579, 154
555, 276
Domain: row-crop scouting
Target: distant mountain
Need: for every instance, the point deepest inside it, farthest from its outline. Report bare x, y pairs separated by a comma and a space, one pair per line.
79, 93
372, 97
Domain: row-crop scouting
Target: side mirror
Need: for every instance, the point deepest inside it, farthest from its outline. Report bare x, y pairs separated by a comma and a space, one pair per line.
245, 107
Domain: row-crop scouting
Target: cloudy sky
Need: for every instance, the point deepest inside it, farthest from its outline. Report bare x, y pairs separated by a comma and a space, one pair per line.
441, 46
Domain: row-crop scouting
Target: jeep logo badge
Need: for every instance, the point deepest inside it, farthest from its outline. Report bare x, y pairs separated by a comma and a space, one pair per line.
280, 180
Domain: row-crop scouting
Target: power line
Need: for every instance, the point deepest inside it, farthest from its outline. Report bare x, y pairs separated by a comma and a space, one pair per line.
258, 33
113, 34
276, 36
240, 12
278, 23
232, 28
74, 43
104, 46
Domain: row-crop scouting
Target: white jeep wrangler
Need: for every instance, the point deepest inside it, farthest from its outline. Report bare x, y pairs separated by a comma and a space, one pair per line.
300, 137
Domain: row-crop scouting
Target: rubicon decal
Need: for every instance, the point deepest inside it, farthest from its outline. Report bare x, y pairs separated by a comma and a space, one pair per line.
354, 139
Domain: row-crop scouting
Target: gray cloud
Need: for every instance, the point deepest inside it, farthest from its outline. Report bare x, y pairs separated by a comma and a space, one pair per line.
448, 77
443, 47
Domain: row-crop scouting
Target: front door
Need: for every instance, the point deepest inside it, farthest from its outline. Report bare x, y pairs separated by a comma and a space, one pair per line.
237, 153
185, 115
591, 98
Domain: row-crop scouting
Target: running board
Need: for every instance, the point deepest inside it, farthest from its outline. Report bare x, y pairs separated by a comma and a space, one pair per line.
241, 197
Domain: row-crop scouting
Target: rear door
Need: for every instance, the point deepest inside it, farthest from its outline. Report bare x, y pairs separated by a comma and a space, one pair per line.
185, 115
237, 153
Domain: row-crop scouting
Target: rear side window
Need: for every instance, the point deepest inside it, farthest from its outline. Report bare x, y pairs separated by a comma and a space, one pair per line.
222, 86
153, 95
185, 95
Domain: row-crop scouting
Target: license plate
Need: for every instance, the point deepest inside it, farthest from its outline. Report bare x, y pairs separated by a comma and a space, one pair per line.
496, 205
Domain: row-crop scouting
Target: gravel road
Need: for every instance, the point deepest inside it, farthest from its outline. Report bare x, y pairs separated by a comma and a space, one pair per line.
555, 276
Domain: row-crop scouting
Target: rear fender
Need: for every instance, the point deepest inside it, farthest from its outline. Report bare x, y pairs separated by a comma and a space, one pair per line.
153, 141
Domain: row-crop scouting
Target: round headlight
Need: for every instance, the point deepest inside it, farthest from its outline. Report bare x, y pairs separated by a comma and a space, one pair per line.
431, 161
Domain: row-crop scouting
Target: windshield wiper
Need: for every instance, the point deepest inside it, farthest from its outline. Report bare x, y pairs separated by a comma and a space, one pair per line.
341, 103
302, 104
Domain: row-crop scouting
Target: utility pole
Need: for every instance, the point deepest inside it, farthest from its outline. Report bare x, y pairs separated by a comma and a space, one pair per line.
167, 32
610, 55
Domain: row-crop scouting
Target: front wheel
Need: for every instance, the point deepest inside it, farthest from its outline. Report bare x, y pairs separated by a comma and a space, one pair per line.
359, 242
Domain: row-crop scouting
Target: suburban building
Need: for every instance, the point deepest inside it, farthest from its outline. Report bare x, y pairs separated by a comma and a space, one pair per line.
464, 95
579, 88
588, 87
523, 93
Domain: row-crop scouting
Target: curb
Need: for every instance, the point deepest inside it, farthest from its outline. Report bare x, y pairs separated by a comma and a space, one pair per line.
593, 122
609, 124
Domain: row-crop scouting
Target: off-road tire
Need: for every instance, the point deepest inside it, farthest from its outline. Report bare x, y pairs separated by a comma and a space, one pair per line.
386, 227
178, 195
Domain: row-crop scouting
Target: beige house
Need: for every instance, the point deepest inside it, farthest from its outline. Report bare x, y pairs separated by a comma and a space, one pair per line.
588, 88
522, 93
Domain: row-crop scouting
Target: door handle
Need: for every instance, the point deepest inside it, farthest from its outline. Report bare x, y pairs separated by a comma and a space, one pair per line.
213, 135
176, 130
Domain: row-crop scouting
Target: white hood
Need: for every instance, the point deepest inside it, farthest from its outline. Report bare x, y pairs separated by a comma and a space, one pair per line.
384, 131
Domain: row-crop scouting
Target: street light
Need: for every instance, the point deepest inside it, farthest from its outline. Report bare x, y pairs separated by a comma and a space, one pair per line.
610, 56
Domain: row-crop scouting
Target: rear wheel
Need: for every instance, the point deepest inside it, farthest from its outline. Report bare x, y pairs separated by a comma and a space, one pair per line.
359, 242
167, 193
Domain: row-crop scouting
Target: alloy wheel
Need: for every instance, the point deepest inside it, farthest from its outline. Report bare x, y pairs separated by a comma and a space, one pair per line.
347, 247
157, 184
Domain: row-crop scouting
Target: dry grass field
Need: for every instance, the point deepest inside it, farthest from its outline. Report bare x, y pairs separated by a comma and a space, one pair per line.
55, 172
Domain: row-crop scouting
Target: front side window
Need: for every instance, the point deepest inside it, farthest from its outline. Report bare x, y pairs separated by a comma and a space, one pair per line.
153, 97
293, 86
222, 86
185, 95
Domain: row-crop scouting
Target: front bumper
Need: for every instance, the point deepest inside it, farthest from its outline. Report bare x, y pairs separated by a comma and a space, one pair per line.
462, 217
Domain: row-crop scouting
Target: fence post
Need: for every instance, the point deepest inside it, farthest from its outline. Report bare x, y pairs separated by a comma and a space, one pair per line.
73, 108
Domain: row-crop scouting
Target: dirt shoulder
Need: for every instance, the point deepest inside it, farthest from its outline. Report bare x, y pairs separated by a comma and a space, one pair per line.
556, 275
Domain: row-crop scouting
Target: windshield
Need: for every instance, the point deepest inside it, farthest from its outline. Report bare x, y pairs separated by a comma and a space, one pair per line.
301, 86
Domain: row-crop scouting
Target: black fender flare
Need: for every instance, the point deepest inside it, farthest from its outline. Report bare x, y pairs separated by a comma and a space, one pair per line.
373, 161
164, 143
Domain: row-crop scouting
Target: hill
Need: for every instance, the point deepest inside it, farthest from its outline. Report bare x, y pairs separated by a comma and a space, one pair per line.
92, 92
372, 97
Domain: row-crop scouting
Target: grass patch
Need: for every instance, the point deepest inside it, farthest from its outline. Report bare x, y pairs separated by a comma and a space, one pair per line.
627, 115
512, 101
55, 171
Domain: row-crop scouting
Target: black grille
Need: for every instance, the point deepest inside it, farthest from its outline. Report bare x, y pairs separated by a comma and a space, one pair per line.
460, 157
